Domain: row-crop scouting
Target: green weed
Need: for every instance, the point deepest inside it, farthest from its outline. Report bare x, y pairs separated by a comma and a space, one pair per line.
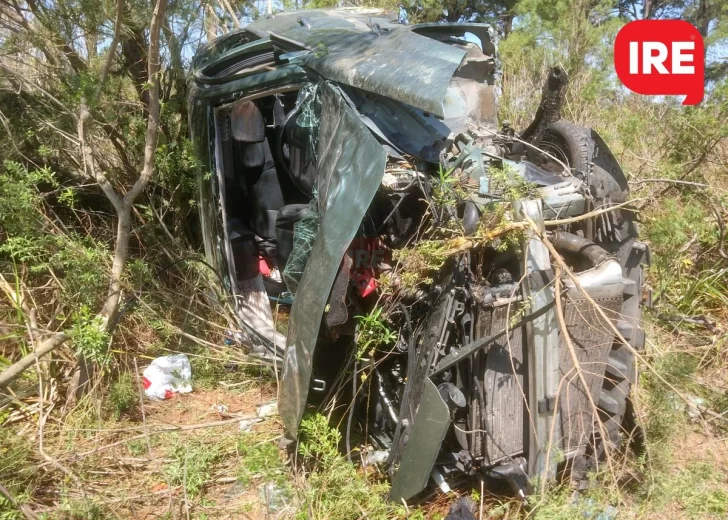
8, 511
373, 332
699, 489
334, 488
89, 337
123, 395
21, 199
137, 447
447, 189
193, 463
81, 510
17, 470
17, 463
510, 184
260, 461
675, 222
209, 373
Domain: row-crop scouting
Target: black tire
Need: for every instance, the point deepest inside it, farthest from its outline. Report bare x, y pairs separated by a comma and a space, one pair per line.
591, 160
568, 143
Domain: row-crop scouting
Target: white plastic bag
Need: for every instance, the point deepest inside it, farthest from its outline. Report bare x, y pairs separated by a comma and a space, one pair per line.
167, 376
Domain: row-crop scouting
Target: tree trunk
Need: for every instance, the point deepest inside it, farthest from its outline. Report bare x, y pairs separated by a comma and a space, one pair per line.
121, 254
646, 9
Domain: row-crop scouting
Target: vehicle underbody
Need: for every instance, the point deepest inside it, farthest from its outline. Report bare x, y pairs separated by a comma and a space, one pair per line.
465, 297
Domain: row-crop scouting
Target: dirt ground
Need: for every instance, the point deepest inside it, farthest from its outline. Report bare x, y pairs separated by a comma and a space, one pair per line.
132, 465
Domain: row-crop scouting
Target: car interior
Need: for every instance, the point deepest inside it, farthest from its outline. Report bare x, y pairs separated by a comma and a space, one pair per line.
268, 167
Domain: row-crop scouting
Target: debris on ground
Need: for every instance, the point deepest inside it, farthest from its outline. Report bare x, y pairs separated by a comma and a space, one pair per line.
166, 376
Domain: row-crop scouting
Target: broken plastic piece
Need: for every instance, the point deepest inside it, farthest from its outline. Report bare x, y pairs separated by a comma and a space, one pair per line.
374, 457
440, 481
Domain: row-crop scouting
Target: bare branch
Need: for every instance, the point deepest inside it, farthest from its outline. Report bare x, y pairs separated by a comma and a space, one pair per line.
123, 228
112, 47
150, 144
47, 346
89, 162
225, 4
672, 181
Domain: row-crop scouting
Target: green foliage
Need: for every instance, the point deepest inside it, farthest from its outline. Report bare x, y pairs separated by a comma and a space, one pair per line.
176, 165
675, 228
193, 462
24, 249
68, 197
261, 461
510, 184
17, 466
447, 189
574, 29
137, 447
83, 262
8, 511
675, 222
417, 264
90, 339
373, 332
79, 261
21, 198
123, 395
335, 490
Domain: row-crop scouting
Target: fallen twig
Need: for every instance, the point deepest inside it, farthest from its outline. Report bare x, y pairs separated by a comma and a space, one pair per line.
460, 244
141, 406
696, 320
595, 213
672, 181
25, 510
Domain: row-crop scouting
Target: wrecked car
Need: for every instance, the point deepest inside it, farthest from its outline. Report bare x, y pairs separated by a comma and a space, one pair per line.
464, 295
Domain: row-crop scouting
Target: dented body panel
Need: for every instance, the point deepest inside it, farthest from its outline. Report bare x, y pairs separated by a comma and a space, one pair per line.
351, 165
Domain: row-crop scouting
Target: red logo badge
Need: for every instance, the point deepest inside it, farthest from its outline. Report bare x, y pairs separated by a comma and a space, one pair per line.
661, 57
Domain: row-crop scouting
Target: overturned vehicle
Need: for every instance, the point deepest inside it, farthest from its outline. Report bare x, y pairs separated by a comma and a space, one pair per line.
465, 296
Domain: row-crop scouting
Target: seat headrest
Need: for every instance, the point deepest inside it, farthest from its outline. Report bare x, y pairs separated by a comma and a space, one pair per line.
247, 123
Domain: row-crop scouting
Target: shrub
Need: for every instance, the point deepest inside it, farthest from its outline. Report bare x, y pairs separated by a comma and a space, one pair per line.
124, 395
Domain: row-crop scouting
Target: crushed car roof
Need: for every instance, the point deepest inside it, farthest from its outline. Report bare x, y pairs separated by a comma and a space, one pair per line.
362, 48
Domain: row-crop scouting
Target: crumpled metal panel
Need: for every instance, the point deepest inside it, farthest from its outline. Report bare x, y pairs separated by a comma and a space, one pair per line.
431, 424
391, 61
409, 129
245, 85
350, 169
